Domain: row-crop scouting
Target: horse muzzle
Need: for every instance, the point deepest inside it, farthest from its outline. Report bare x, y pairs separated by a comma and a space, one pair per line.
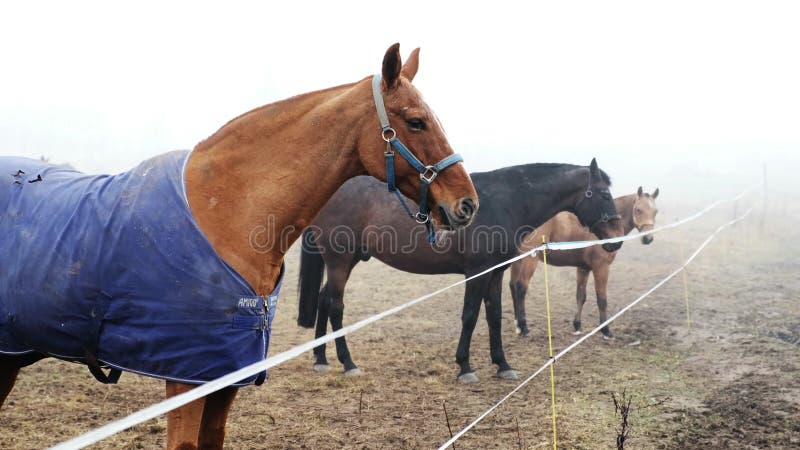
612, 247
460, 214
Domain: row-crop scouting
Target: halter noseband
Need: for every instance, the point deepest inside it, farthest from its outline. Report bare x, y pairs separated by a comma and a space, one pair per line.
426, 173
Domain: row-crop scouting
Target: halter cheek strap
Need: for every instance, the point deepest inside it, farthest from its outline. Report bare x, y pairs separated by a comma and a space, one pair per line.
605, 218
426, 173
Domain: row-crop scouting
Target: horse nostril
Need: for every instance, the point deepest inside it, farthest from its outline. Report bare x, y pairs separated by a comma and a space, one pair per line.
466, 209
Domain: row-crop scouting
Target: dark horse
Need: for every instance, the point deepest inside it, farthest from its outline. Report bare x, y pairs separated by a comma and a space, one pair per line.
276, 165
361, 221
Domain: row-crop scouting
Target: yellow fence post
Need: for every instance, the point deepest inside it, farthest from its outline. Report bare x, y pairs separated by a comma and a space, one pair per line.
685, 290
550, 341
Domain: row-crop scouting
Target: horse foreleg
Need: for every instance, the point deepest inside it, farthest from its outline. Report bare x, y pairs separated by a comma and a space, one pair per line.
215, 415
580, 297
600, 286
473, 294
183, 424
8, 376
494, 318
521, 273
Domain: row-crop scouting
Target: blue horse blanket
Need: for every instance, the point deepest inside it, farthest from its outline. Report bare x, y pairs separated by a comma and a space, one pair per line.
114, 269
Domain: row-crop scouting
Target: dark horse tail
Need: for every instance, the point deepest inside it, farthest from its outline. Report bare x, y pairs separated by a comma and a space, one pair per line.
312, 267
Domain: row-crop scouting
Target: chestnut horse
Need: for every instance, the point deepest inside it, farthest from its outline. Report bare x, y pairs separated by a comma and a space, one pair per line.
360, 222
279, 164
637, 211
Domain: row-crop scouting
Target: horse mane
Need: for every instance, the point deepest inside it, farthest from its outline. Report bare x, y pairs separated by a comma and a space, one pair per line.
270, 108
535, 173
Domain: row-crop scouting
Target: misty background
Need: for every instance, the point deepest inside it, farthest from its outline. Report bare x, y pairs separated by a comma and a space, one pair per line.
694, 97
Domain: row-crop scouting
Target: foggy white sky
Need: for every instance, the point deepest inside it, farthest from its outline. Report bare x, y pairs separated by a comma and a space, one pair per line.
650, 88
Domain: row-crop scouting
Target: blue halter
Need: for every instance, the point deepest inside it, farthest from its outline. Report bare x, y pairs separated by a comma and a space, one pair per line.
426, 173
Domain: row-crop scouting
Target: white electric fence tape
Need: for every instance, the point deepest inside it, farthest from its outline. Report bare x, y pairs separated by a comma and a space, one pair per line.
587, 335
171, 403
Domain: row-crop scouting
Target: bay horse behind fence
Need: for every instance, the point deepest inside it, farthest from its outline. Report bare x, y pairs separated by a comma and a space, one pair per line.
172, 269
637, 211
361, 221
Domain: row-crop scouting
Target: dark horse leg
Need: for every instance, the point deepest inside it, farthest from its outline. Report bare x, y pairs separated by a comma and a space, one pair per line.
580, 297
8, 376
474, 292
494, 318
521, 274
600, 286
331, 306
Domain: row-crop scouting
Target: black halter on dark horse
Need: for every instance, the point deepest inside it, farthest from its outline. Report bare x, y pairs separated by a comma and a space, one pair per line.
361, 221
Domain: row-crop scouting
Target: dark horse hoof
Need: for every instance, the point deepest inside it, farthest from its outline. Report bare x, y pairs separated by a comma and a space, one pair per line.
606, 333
321, 368
469, 377
509, 374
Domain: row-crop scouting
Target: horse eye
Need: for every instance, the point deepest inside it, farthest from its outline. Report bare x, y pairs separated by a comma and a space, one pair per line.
415, 124
637, 211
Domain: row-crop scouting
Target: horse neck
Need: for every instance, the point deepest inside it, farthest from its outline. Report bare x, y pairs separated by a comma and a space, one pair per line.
624, 207
562, 194
258, 181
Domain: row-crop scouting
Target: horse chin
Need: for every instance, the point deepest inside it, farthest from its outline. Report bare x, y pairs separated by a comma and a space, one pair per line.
612, 247
441, 222
450, 222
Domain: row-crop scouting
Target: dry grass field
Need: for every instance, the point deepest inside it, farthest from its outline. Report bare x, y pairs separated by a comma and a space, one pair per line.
731, 381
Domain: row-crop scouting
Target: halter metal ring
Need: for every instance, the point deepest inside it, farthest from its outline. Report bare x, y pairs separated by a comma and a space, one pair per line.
429, 175
588, 193
386, 131
422, 218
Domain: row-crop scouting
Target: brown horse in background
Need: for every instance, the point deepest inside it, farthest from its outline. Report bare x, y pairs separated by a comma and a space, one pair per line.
279, 164
636, 211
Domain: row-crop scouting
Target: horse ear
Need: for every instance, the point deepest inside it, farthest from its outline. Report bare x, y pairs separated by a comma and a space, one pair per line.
593, 167
654, 194
411, 65
391, 66
640, 191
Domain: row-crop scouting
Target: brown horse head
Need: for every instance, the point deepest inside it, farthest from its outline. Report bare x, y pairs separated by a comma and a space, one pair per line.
644, 213
597, 211
450, 194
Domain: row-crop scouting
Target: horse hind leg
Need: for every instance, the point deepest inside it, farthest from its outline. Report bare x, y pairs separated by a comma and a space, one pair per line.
8, 376
323, 308
337, 279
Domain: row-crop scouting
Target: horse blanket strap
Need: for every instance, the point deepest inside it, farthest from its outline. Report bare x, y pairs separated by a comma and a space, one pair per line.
113, 271
99, 375
426, 173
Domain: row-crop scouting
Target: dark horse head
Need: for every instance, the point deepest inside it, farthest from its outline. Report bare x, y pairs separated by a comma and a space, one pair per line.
596, 209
